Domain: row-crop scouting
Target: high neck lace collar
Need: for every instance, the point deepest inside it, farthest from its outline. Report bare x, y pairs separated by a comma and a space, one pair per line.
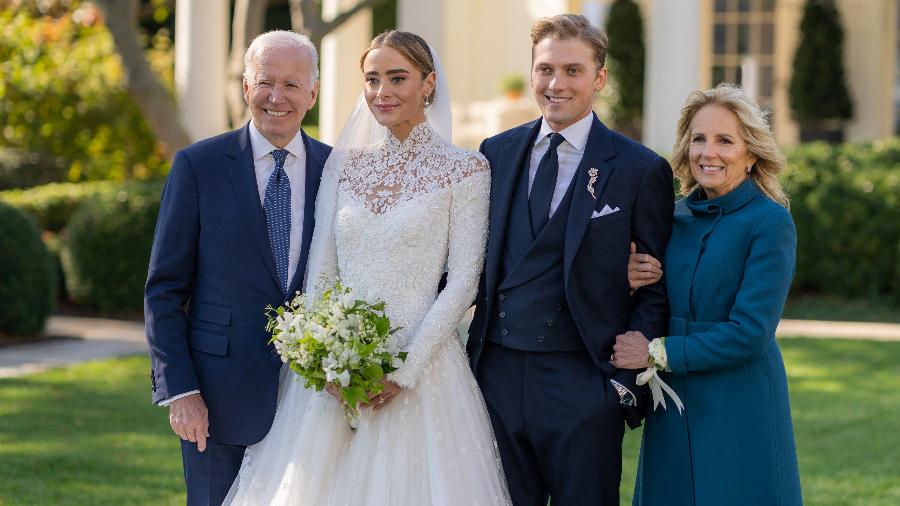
420, 135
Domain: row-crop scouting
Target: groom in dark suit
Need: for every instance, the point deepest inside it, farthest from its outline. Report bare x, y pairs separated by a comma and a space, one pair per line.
232, 237
567, 197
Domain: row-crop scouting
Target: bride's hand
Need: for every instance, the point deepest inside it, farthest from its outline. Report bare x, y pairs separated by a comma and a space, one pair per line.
334, 390
381, 400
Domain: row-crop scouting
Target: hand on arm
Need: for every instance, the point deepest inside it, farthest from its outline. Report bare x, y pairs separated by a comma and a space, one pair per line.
631, 351
643, 269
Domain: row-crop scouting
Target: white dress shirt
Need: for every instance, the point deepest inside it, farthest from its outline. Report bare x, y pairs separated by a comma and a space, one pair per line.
295, 168
569, 153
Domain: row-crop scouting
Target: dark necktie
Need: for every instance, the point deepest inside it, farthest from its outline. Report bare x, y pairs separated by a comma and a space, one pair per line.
543, 185
277, 206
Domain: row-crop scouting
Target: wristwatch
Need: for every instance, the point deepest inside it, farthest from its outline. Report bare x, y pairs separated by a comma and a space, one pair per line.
626, 398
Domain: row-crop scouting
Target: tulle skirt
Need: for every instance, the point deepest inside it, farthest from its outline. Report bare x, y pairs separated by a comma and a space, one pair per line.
431, 445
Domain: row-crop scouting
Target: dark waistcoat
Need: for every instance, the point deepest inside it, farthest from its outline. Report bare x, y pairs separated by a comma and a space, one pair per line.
531, 312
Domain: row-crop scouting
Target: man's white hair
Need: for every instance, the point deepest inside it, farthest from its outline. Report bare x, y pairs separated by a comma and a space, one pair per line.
279, 38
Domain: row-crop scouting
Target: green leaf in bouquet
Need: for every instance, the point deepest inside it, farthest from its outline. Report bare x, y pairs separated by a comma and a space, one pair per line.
373, 372
382, 325
378, 306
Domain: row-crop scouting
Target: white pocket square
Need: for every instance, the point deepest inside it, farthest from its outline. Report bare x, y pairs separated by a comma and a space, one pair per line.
605, 211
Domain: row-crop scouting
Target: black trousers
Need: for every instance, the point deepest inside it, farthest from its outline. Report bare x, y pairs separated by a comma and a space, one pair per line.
558, 423
209, 475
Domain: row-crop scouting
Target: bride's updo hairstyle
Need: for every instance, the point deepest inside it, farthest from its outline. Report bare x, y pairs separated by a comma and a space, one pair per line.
410, 45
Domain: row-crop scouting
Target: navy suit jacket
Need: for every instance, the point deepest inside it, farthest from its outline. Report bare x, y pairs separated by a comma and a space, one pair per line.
629, 176
211, 277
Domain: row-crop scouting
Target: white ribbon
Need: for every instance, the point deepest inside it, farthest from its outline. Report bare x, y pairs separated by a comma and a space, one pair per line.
657, 386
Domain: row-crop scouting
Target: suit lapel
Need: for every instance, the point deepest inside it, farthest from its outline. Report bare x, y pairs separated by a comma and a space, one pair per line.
513, 158
315, 161
598, 149
243, 180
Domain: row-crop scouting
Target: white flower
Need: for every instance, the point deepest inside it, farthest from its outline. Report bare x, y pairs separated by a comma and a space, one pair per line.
657, 350
344, 378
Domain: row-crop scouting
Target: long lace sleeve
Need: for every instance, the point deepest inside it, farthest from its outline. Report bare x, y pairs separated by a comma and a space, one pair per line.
465, 259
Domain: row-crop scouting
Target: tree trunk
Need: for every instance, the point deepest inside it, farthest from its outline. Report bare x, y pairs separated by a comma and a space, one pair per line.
149, 93
306, 18
249, 21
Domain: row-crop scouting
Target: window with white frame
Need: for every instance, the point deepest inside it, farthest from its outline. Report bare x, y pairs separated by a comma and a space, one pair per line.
743, 46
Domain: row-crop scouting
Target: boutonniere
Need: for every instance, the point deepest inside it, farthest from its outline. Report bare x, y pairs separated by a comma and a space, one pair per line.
590, 186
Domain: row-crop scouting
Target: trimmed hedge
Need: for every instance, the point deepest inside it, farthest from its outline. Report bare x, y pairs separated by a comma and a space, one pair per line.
106, 248
845, 200
27, 275
53, 204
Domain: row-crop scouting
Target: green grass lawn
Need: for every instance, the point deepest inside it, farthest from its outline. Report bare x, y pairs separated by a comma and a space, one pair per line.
87, 435
831, 308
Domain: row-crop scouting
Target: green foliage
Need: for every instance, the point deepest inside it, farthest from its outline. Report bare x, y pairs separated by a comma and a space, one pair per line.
625, 58
512, 83
845, 200
106, 248
818, 88
66, 115
27, 276
54, 203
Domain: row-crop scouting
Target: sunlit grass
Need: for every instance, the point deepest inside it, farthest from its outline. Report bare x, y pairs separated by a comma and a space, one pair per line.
87, 435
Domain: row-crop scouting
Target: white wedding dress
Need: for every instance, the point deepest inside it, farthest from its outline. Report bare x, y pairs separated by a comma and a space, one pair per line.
405, 212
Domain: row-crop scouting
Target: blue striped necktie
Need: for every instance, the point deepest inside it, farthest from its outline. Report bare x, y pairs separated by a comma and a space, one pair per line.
277, 206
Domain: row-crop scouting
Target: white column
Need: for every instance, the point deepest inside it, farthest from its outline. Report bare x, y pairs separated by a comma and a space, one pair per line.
425, 18
673, 67
341, 80
201, 49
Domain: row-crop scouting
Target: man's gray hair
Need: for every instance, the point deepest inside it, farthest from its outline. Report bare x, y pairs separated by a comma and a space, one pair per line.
280, 38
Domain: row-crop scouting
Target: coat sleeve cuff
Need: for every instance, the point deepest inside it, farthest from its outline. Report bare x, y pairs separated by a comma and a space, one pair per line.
170, 400
676, 354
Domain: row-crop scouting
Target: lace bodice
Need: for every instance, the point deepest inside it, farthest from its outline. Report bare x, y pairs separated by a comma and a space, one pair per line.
397, 171
406, 211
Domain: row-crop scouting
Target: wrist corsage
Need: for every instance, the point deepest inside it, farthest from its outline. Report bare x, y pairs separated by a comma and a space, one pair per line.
658, 361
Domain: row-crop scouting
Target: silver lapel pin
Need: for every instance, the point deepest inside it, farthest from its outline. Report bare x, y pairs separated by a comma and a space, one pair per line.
590, 186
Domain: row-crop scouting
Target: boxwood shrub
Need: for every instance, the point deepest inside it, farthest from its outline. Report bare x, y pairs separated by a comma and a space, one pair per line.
845, 200
27, 275
54, 203
106, 248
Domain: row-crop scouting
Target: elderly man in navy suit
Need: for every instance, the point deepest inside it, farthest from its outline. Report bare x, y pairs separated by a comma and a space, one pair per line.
568, 196
232, 237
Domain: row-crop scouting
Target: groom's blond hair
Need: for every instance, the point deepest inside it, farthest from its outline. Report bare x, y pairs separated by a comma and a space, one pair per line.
571, 26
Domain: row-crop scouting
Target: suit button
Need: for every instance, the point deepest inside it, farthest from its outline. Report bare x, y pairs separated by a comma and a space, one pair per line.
274, 352
540, 339
549, 323
559, 307
505, 332
502, 314
502, 296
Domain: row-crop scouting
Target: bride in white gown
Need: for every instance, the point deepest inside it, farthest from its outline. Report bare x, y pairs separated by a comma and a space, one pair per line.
396, 207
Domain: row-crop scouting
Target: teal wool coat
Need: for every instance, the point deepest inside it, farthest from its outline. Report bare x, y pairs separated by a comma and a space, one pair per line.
728, 266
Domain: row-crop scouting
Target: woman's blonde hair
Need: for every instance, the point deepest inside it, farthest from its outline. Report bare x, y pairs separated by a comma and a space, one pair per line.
755, 131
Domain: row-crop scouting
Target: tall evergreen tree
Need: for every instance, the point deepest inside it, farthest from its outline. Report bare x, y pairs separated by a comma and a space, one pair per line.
625, 57
818, 88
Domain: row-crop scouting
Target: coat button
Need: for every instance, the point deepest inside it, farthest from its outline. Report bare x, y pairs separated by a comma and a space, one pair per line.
559, 307
502, 314
540, 339
505, 332
274, 352
549, 323
502, 296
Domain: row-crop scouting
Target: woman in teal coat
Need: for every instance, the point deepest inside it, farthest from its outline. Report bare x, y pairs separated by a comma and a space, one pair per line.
729, 266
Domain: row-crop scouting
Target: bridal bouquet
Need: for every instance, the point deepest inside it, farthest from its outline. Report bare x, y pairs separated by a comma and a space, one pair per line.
338, 339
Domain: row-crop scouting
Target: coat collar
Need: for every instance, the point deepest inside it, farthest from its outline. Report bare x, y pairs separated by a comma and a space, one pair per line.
737, 198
